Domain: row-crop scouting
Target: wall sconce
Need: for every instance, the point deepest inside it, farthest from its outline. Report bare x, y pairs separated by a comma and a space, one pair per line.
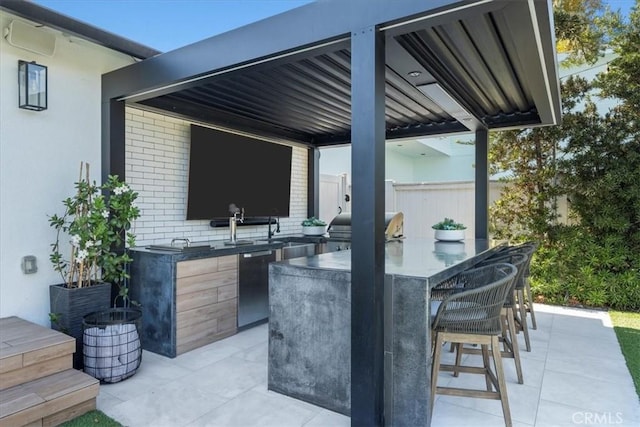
32, 85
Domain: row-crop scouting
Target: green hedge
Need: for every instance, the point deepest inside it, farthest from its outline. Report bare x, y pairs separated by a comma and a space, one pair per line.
574, 267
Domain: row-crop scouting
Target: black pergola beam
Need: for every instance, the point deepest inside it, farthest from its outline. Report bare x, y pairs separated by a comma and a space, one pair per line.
482, 184
367, 226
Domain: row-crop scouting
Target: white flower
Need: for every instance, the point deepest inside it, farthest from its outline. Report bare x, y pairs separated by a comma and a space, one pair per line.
105, 214
81, 255
75, 240
121, 189
88, 244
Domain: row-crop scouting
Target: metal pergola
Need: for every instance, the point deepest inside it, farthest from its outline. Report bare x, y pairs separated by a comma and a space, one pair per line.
358, 72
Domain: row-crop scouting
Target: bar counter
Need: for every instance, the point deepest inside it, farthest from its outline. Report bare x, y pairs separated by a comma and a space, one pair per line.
310, 324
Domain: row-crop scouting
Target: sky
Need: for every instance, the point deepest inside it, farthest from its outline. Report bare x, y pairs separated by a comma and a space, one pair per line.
169, 24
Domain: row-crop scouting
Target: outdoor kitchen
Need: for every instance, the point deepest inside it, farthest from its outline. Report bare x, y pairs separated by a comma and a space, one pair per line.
195, 293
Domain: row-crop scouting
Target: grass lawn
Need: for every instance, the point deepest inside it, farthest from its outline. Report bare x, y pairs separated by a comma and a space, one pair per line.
627, 327
92, 418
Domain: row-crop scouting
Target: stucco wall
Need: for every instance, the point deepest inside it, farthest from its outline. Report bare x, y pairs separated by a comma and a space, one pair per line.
40, 154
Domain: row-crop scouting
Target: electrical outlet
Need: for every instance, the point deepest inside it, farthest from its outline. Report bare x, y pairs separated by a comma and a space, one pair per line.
29, 265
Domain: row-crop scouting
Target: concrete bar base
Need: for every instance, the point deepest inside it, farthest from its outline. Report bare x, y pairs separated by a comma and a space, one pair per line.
310, 331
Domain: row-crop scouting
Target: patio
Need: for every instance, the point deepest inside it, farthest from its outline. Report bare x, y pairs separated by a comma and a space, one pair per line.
574, 375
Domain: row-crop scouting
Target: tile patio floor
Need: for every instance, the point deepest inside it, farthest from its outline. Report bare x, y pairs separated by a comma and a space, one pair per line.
575, 375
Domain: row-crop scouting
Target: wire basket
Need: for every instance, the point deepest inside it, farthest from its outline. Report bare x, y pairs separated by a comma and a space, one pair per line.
112, 349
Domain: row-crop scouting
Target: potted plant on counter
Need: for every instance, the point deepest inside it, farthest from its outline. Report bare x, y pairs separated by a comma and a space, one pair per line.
449, 231
314, 227
96, 223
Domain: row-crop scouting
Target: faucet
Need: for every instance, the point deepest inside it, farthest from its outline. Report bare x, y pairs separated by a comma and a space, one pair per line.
185, 240
277, 230
233, 221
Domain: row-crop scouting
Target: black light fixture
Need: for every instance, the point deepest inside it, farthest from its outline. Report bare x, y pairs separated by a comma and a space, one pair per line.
32, 86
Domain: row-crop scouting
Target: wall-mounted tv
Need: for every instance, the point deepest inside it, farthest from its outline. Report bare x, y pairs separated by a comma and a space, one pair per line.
226, 168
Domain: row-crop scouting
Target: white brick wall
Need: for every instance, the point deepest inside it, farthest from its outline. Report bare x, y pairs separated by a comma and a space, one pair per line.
157, 166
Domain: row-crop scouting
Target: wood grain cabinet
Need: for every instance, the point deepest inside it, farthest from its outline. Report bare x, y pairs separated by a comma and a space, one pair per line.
206, 301
186, 303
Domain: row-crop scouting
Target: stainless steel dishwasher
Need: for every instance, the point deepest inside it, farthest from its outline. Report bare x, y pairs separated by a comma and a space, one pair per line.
253, 287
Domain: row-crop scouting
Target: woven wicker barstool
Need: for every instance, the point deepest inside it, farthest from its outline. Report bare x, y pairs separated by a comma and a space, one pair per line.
470, 314
507, 316
524, 302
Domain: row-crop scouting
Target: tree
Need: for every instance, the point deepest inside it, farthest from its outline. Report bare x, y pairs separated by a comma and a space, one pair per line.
602, 179
577, 31
593, 158
528, 204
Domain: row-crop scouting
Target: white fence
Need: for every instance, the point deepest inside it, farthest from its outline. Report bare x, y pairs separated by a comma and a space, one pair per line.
423, 204
333, 192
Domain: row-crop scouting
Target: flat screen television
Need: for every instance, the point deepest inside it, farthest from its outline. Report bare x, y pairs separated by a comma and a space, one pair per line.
226, 168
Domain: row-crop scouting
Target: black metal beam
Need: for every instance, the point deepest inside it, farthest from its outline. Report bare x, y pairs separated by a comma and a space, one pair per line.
313, 182
367, 244
113, 139
420, 130
482, 184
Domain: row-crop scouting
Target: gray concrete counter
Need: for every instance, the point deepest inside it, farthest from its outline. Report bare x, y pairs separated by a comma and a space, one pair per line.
310, 318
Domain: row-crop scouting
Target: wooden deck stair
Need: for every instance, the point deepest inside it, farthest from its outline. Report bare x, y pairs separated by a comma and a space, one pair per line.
38, 385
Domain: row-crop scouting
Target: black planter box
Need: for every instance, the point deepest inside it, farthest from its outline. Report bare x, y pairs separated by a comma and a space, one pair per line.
70, 305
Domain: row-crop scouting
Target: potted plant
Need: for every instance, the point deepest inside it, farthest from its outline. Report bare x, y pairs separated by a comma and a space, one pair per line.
313, 227
448, 230
96, 221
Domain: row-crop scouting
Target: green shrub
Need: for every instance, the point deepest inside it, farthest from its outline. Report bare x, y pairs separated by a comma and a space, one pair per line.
577, 268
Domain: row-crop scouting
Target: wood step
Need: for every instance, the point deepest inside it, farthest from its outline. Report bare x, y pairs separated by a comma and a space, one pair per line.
29, 351
49, 401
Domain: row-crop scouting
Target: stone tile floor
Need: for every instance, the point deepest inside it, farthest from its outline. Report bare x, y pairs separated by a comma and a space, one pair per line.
575, 375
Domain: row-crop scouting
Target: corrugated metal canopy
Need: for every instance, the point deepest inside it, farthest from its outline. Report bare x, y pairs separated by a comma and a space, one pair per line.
458, 67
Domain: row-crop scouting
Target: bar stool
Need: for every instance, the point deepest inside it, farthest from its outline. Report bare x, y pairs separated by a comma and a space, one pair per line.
470, 314
507, 317
527, 285
524, 303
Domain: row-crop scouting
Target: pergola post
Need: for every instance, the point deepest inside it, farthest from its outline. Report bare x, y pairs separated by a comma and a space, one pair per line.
313, 182
482, 184
367, 243
113, 139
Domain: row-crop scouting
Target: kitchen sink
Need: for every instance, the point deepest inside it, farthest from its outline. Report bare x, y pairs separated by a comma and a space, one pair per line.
297, 250
180, 248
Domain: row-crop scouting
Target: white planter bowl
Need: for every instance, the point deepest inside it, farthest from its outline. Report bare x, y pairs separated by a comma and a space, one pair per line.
316, 230
449, 235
